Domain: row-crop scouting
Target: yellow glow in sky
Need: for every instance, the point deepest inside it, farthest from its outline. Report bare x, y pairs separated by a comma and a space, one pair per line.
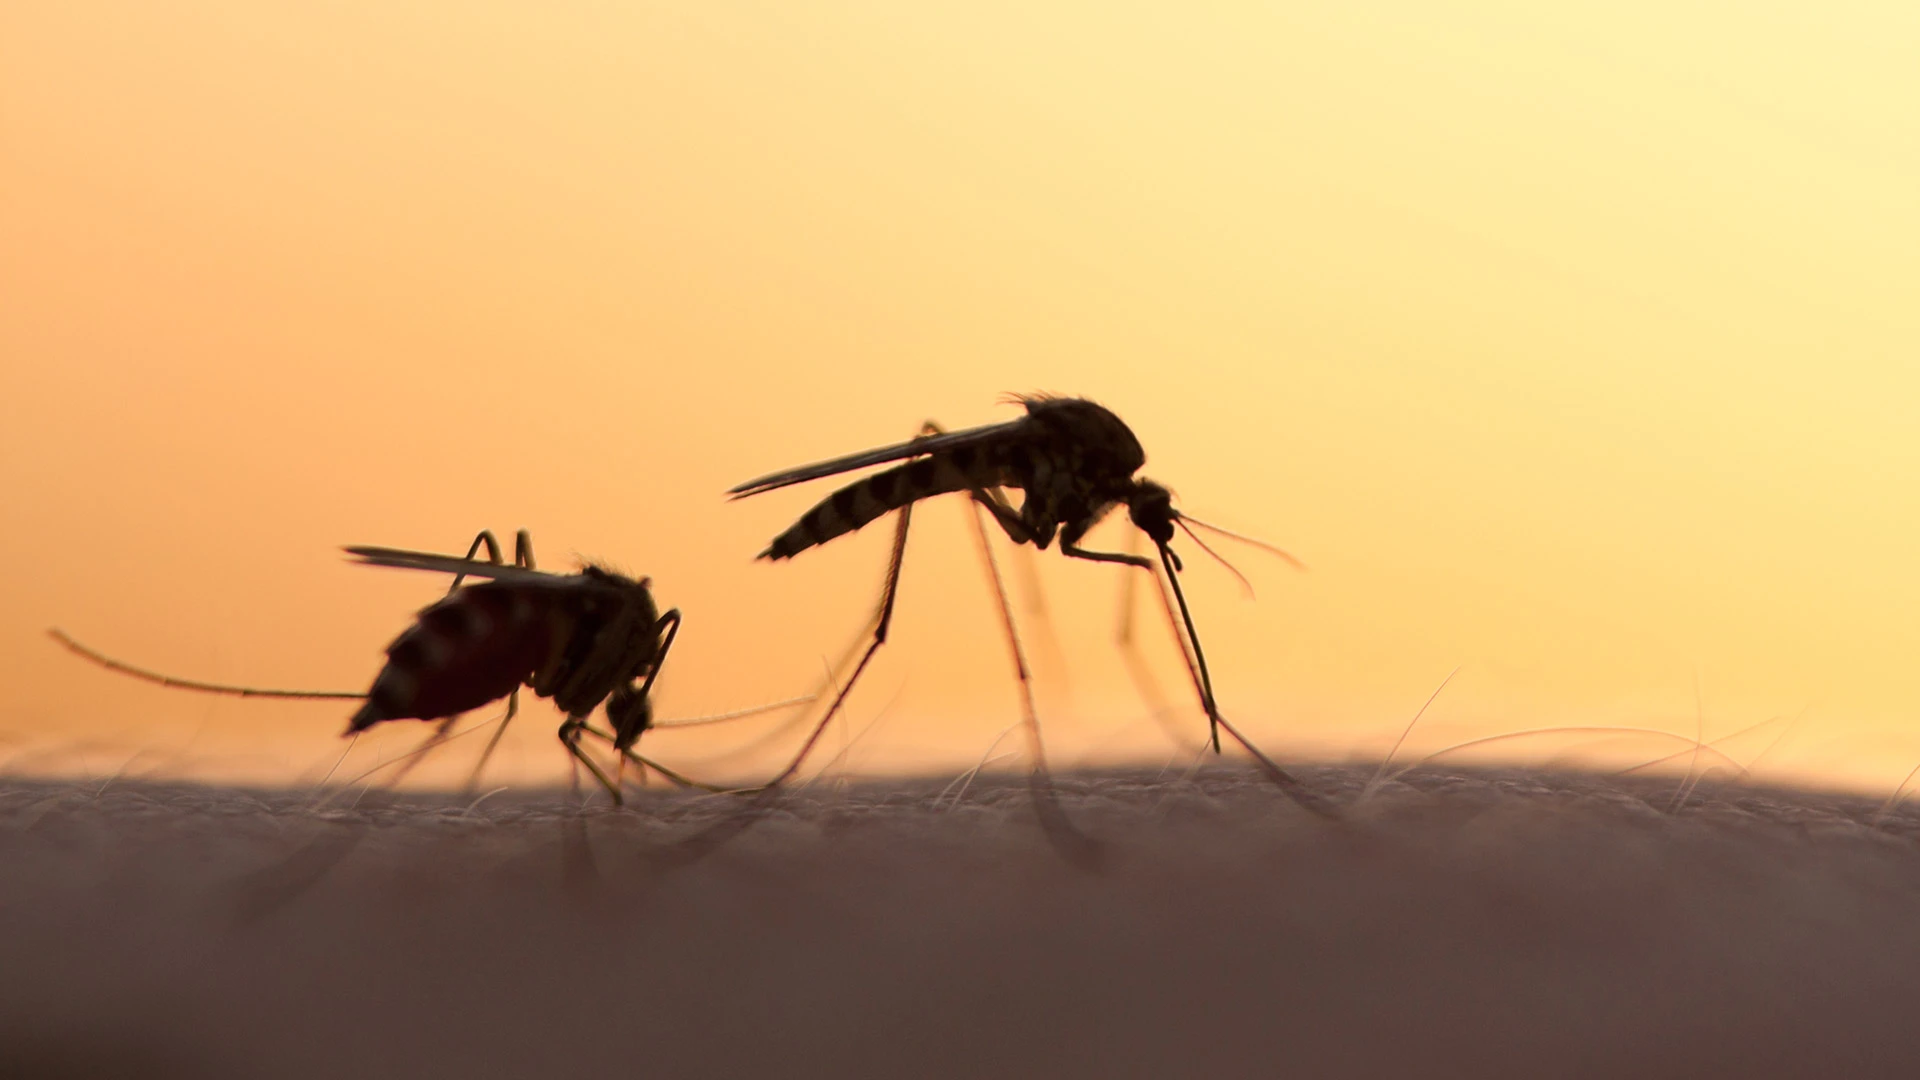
1573, 345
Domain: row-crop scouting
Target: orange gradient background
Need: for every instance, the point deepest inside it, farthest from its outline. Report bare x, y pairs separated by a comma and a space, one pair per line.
1574, 345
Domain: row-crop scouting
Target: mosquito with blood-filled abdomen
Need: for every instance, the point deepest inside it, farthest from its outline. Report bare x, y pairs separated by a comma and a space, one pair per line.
580, 639
1075, 461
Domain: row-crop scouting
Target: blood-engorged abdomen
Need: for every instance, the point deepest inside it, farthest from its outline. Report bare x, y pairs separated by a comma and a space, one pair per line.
475, 646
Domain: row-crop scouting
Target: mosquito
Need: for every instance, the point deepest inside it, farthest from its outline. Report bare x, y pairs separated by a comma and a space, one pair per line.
1075, 461
580, 639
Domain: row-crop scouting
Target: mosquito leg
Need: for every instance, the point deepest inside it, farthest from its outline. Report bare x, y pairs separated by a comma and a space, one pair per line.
883, 618
576, 852
570, 730
677, 779
414, 757
1009, 520
628, 710
994, 501
646, 764
667, 628
1203, 685
1042, 633
1074, 550
487, 540
1071, 842
1137, 668
714, 835
513, 710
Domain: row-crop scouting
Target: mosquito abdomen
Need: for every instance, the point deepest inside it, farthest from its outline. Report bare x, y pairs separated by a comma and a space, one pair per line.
861, 502
471, 648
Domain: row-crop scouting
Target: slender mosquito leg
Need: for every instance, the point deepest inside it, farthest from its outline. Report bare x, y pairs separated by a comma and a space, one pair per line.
883, 618
485, 539
1198, 676
994, 499
1137, 668
414, 757
1203, 685
570, 730
513, 710
1009, 521
668, 628
1074, 550
648, 764
576, 852
665, 630
523, 557
1069, 840
675, 778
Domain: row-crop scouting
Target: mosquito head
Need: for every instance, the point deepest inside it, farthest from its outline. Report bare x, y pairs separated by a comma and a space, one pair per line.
630, 712
1151, 507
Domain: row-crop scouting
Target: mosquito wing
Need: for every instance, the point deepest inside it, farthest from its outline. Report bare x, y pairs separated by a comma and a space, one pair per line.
448, 564
925, 444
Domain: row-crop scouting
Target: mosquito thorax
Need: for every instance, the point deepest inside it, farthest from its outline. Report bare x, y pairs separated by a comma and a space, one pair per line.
1101, 438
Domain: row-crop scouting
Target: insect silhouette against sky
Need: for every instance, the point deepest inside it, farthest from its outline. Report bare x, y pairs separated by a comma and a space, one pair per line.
1075, 461
581, 639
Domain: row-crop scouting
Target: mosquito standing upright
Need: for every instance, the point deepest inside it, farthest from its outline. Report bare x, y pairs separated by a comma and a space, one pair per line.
1075, 461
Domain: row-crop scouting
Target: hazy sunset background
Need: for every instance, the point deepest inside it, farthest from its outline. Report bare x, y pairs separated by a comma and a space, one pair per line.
1573, 345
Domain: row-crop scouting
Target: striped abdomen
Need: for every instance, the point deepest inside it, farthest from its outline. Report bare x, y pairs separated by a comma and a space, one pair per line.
475, 646
959, 469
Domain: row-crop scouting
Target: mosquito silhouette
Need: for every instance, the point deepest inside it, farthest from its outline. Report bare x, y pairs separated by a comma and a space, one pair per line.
580, 639
1075, 461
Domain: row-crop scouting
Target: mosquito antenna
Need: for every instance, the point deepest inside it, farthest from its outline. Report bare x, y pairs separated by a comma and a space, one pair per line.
1185, 518
1245, 585
124, 668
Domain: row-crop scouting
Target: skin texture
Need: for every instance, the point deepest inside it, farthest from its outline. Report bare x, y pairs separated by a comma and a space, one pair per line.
1454, 924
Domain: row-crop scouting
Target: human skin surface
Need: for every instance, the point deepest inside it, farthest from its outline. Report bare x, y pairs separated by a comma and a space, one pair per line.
1451, 924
